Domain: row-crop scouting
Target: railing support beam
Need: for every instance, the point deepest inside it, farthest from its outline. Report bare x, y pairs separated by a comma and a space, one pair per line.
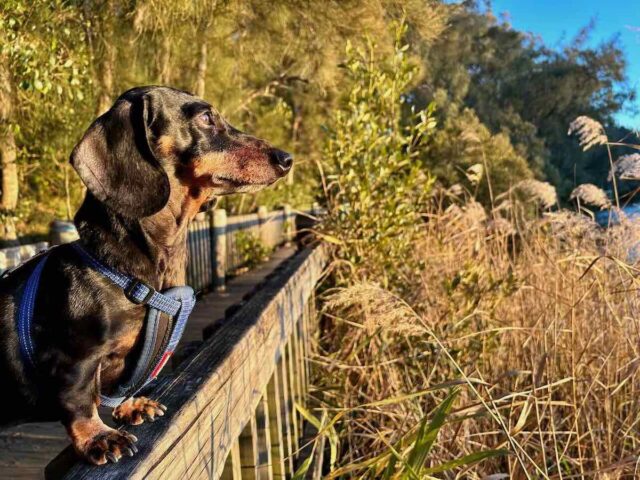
220, 246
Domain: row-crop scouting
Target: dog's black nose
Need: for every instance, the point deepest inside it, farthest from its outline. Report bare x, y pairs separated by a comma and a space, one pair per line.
282, 160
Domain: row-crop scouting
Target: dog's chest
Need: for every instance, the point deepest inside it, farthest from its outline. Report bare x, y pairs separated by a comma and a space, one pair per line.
121, 351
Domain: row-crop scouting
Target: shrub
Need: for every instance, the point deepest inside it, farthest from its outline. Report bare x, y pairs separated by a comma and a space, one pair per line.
376, 187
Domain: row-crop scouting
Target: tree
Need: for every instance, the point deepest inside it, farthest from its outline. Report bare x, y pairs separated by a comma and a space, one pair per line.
42, 65
518, 86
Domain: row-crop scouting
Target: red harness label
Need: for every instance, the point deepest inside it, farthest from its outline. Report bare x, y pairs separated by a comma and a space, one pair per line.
161, 364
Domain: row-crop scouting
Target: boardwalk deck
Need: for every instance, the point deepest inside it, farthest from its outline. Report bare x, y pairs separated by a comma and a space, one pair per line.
232, 402
26, 449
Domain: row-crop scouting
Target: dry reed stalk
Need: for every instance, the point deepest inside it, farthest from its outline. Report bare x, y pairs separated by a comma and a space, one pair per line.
548, 317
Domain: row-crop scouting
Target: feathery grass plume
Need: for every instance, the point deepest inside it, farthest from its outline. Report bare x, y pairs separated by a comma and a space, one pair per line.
543, 193
590, 195
571, 227
550, 322
470, 216
499, 226
377, 307
590, 132
627, 167
474, 173
456, 190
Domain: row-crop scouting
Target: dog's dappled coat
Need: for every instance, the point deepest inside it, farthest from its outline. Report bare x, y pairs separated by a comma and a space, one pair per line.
150, 163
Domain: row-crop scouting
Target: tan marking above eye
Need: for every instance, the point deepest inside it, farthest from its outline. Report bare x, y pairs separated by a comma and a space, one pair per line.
166, 145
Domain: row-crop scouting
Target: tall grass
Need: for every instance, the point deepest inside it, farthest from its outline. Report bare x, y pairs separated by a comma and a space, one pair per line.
463, 343
540, 323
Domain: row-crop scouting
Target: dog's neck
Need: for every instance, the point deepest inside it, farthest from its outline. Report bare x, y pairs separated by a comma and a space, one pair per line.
152, 249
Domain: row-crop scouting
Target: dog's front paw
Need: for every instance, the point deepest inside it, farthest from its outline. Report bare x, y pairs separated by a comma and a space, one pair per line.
135, 411
109, 446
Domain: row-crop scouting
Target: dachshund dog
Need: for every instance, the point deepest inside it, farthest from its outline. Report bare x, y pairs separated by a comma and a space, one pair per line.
150, 164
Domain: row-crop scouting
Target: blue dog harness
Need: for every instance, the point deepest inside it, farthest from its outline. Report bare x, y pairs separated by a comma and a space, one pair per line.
162, 334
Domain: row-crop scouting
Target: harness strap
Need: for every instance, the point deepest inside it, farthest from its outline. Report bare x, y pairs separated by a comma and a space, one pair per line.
26, 308
159, 345
161, 334
134, 289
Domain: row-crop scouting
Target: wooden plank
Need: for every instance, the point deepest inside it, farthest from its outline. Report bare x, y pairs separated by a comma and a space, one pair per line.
282, 374
232, 467
249, 451
264, 464
276, 427
293, 397
210, 397
302, 375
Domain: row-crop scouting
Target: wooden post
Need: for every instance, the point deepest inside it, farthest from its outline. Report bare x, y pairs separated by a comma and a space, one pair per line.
4, 262
297, 381
219, 224
276, 426
263, 218
288, 225
249, 450
232, 468
282, 375
302, 373
10, 258
263, 431
293, 394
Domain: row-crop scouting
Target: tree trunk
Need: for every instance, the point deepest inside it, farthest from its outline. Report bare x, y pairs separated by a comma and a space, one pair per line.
8, 157
9, 200
164, 62
108, 60
106, 78
202, 68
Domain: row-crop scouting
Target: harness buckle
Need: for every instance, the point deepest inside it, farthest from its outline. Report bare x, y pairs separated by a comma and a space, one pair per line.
129, 292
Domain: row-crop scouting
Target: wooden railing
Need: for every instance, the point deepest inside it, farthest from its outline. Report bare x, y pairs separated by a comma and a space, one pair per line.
214, 246
214, 250
13, 256
231, 405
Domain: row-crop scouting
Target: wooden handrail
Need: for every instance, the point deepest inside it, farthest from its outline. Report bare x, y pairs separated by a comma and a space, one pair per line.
211, 242
231, 404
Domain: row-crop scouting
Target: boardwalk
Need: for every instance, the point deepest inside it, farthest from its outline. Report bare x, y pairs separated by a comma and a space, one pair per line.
25, 450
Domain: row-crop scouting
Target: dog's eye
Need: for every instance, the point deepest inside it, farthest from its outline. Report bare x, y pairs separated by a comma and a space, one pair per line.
206, 118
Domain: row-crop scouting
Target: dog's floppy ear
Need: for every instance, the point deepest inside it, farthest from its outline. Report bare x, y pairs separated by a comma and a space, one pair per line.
115, 161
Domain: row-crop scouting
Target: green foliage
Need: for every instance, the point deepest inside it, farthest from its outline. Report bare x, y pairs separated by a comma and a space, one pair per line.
376, 186
462, 143
250, 249
271, 67
47, 83
43, 49
519, 87
279, 78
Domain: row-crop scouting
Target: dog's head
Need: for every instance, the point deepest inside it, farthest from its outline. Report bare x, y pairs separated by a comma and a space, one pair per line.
155, 139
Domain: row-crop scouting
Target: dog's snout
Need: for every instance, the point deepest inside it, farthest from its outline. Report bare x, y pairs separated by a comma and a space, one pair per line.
281, 160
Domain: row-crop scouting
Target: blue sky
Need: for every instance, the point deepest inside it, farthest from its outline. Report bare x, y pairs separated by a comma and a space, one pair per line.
558, 21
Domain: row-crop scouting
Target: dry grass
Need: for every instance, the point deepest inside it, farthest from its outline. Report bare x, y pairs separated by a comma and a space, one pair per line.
590, 132
627, 167
540, 319
590, 195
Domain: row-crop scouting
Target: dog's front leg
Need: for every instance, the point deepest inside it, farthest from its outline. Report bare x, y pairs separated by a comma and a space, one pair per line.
91, 438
